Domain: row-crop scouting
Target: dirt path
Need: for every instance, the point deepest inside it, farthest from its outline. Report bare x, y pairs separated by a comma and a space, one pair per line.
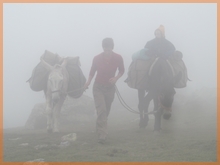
188, 136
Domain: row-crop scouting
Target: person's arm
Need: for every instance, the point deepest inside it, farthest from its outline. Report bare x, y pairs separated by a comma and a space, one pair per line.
88, 82
121, 70
91, 74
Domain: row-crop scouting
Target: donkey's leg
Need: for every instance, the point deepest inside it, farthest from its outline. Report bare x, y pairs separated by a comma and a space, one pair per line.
156, 104
158, 114
141, 94
48, 111
147, 100
56, 114
49, 116
143, 105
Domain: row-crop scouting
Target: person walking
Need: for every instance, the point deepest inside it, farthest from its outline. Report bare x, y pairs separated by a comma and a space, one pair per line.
105, 65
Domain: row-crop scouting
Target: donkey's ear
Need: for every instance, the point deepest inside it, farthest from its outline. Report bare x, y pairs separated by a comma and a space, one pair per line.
177, 77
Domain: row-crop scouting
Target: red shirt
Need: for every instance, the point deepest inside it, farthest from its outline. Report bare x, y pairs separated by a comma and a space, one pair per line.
106, 68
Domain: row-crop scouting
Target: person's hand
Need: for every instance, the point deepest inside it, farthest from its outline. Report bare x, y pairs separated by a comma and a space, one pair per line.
86, 86
113, 80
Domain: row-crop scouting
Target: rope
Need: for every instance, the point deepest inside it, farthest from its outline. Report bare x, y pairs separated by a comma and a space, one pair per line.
75, 90
124, 104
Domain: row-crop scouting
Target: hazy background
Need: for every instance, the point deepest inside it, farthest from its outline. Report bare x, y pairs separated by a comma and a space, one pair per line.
70, 29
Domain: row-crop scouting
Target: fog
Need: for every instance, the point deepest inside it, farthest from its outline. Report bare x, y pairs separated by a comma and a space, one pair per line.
78, 29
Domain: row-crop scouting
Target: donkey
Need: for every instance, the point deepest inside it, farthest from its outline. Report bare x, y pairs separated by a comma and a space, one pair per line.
55, 93
161, 90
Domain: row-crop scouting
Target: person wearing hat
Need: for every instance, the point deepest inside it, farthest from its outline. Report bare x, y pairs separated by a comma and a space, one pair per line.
105, 65
160, 46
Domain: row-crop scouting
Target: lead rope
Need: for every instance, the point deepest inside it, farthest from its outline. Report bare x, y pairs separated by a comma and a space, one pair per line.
124, 104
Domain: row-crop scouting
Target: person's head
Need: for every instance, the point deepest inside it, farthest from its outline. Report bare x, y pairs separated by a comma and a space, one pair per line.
160, 32
107, 44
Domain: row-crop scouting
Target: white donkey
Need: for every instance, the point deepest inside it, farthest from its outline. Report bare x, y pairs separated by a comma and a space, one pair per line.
56, 92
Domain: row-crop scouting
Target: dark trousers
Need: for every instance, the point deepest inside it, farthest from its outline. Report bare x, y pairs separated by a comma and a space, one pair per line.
103, 97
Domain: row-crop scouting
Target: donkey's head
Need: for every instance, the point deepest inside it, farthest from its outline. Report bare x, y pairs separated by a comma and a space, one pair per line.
56, 80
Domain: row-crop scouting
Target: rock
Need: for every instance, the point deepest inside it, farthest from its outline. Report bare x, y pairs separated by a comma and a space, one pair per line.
72, 110
70, 137
37, 118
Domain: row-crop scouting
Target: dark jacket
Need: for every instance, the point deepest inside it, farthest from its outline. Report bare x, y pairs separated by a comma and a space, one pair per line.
160, 47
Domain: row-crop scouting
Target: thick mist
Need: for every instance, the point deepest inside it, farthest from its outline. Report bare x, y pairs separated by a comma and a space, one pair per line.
70, 29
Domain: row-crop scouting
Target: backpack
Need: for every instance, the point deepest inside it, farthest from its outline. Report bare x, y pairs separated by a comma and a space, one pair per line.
139, 69
138, 73
38, 79
143, 54
76, 78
